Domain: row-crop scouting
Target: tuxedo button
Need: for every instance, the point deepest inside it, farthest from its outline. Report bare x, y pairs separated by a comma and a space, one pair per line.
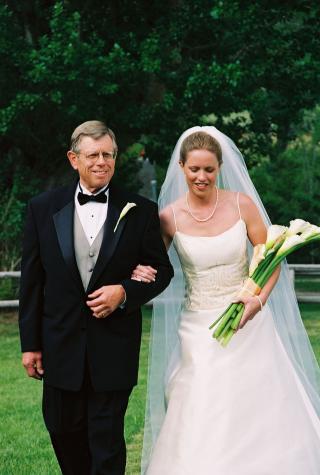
91, 254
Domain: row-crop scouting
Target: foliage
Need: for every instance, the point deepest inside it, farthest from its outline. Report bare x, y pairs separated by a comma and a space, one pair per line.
289, 182
146, 68
150, 70
128, 165
16, 185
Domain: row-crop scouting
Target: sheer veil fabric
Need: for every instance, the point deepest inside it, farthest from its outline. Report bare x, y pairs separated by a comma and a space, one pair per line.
164, 342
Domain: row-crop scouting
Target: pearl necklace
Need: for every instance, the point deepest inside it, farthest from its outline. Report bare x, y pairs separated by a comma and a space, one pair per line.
202, 220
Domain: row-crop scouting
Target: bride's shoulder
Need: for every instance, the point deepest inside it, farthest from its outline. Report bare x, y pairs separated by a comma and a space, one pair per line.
169, 211
246, 203
167, 216
250, 212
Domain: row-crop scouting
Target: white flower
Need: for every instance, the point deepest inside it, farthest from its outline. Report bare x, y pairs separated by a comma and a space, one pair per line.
124, 211
297, 226
311, 231
289, 243
258, 256
275, 235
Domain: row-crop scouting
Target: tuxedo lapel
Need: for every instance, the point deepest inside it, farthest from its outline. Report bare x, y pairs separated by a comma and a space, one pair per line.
110, 236
63, 221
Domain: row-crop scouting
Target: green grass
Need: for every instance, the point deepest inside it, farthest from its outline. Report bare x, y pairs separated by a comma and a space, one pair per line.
307, 284
311, 320
24, 443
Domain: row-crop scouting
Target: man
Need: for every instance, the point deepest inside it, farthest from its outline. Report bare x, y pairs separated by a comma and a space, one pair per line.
80, 317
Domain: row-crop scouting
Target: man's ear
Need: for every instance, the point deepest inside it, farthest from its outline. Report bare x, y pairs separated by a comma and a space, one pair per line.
73, 159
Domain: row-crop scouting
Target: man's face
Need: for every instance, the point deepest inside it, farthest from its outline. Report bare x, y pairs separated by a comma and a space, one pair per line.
94, 162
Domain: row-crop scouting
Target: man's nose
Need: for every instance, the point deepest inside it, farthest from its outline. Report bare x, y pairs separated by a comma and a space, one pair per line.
100, 159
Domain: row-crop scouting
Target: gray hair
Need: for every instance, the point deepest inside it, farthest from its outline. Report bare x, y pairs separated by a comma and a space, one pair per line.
95, 129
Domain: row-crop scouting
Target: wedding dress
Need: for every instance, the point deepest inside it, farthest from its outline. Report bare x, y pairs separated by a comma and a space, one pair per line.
239, 410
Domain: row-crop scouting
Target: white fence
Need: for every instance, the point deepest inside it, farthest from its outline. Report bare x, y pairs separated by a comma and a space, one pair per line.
295, 269
307, 270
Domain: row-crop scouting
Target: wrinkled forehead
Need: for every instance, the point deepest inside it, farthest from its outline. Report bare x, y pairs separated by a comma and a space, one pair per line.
104, 143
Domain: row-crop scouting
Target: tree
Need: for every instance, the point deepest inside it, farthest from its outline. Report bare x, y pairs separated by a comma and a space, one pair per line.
288, 183
152, 69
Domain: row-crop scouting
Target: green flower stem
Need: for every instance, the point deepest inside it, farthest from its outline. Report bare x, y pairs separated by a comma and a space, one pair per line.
225, 330
231, 317
228, 316
262, 266
218, 331
236, 320
220, 317
265, 276
227, 338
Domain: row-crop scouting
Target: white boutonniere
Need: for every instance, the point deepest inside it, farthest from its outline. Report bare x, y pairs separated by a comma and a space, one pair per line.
125, 210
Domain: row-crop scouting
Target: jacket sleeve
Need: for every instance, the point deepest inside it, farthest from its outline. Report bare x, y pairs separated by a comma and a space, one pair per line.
31, 288
153, 253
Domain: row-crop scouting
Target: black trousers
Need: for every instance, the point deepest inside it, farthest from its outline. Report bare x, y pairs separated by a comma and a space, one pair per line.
86, 429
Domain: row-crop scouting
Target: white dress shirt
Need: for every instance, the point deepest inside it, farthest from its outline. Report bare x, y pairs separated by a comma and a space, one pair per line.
92, 215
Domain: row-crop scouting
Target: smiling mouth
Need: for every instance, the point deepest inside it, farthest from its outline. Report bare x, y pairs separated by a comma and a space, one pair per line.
100, 172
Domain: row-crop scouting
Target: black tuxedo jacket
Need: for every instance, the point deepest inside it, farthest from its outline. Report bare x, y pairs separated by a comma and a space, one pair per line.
53, 315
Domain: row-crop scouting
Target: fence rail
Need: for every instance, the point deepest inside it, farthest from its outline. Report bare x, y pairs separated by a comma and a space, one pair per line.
294, 269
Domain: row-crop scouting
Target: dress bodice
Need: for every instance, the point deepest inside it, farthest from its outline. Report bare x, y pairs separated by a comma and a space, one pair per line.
214, 266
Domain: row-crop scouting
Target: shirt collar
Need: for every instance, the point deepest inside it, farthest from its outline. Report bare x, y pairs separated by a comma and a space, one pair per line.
84, 190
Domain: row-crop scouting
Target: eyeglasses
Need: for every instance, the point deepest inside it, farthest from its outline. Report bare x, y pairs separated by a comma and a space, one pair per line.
94, 156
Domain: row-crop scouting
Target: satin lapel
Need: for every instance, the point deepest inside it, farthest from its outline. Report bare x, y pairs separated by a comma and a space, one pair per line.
110, 237
63, 221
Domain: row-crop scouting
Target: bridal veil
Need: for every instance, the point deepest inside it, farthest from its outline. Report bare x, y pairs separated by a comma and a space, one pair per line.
164, 342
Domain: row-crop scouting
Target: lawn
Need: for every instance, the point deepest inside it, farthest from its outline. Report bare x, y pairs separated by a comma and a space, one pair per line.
24, 444
307, 284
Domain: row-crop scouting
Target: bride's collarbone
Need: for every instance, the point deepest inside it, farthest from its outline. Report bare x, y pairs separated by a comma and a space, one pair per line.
213, 227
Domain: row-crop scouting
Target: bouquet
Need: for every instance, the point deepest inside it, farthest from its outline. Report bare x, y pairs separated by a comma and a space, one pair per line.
281, 241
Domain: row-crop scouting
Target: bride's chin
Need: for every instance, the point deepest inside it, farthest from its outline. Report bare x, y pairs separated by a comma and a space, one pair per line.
200, 191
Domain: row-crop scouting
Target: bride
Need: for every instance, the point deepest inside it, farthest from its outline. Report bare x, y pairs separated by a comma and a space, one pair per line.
253, 407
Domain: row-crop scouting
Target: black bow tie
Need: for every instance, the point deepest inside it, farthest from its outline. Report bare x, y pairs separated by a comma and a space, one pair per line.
99, 198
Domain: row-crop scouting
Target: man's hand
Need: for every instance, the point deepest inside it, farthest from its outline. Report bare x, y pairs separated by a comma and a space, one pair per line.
106, 300
32, 361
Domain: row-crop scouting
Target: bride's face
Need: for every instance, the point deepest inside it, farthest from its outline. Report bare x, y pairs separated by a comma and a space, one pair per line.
201, 169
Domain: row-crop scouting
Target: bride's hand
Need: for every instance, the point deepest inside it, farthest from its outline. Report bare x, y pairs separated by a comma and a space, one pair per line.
145, 274
251, 308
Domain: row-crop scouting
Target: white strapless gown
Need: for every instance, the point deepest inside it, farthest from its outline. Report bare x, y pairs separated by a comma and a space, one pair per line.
238, 410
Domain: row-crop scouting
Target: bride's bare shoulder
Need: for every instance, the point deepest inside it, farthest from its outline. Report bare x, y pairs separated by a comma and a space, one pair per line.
247, 204
244, 200
167, 215
168, 211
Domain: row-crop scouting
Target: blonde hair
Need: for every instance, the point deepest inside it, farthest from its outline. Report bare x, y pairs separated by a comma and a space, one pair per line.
200, 141
92, 128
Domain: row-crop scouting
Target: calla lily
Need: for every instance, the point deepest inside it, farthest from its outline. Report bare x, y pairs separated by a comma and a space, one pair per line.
275, 235
310, 232
124, 211
289, 243
257, 257
297, 226
281, 241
